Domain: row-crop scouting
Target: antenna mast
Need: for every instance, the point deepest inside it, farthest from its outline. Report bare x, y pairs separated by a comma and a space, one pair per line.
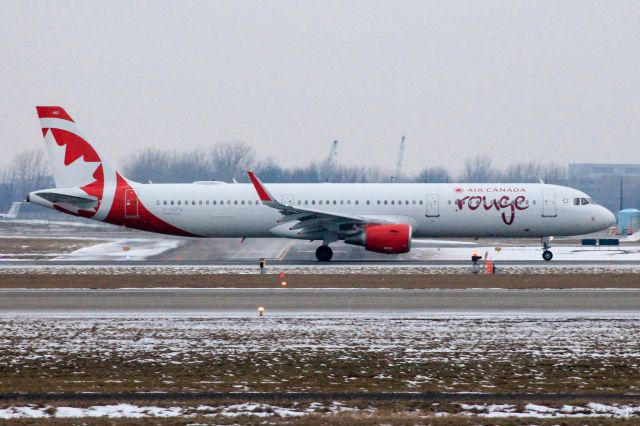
397, 174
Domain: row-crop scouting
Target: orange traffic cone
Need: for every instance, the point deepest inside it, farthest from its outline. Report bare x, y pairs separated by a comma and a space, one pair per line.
490, 266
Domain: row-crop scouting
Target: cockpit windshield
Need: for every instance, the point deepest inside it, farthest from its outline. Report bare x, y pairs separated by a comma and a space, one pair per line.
582, 201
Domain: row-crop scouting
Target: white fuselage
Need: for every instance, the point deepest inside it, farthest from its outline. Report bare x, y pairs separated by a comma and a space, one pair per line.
432, 210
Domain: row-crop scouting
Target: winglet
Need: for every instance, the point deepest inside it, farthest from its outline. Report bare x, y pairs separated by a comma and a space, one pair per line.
263, 193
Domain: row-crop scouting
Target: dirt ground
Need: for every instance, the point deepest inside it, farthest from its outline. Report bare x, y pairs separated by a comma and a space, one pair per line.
445, 281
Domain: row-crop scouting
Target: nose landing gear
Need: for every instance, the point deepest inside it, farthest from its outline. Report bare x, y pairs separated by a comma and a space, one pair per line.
546, 245
324, 253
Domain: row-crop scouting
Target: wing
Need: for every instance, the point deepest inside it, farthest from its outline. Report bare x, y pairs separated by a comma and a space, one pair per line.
309, 220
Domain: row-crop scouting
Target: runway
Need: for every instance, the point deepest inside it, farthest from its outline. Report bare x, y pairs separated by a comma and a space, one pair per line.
322, 301
315, 263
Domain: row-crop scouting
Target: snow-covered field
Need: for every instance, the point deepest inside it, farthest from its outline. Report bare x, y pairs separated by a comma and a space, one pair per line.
346, 353
123, 268
137, 411
261, 411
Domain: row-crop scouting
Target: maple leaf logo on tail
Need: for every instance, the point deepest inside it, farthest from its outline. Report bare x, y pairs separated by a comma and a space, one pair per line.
75, 163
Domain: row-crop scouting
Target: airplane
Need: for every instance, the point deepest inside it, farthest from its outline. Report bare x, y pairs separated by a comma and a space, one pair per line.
13, 211
382, 218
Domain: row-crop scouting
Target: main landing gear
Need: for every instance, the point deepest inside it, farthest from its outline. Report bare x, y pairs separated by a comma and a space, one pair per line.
546, 245
324, 253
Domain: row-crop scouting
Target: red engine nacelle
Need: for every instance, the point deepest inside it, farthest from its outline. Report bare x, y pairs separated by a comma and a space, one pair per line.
389, 239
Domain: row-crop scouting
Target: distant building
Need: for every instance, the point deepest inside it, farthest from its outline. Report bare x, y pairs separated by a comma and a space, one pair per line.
614, 186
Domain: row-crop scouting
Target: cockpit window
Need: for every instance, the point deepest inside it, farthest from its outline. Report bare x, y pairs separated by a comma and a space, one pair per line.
582, 201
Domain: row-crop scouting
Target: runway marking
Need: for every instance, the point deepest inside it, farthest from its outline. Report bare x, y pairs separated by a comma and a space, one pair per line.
285, 251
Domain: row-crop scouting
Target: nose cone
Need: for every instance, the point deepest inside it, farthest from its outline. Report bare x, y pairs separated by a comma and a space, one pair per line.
607, 218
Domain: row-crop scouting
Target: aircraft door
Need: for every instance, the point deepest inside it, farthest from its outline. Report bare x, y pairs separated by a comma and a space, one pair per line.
433, 207
549, 203
130, 203
288, 199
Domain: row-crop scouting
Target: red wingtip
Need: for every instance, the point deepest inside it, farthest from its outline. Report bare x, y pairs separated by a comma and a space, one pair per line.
262, 193
53, 112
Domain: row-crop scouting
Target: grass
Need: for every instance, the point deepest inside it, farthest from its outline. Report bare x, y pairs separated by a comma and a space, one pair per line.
361, 280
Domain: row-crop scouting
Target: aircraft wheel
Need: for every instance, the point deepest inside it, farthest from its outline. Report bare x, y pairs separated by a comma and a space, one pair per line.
324, 253
547, 255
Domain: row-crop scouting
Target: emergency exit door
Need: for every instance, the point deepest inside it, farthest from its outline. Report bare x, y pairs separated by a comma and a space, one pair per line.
130, 203
433, 207
549, 203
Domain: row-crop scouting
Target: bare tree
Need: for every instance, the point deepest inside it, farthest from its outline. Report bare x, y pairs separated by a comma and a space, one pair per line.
149, 164
478, 169
436, 174
231, 160
556, 174
29, 171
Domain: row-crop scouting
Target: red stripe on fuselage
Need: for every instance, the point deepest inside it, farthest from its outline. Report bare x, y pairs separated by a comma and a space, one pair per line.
145, 220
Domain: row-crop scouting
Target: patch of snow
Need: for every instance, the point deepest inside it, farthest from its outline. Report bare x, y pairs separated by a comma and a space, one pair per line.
124, 249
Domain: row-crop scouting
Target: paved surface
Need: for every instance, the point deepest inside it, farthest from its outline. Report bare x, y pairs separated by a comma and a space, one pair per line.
288, 262
356, 301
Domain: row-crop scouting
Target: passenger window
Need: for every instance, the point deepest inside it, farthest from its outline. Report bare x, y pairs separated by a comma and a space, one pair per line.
242, 202
341, 202
320, 202
179, 202
356, 202
334, 202
420, 202
378, 202
385, 202
393, 202
328, 202
200, 202
164, 202
306, 202
368, 202
222, 202
171, 202
414, 202
157, 202
348, 201
313, 202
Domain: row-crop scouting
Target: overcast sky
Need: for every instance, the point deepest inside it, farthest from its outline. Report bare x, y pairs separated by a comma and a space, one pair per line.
536, 80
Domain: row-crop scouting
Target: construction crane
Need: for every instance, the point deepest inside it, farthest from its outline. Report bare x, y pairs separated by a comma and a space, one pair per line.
333, 153
329, 162
396, 175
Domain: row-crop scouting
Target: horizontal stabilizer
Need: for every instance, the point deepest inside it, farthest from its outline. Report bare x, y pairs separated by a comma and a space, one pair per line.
65, 197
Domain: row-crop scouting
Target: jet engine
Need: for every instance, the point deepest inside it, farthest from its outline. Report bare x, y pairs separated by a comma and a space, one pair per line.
388, 239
